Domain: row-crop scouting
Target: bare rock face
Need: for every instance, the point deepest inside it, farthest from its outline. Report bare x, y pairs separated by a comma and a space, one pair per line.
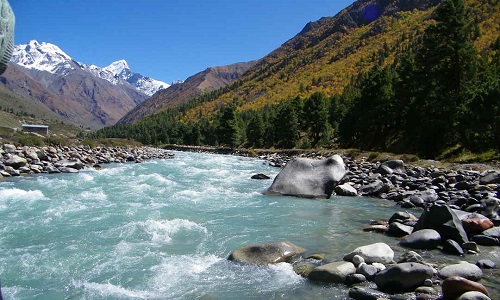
309, 178
267, 253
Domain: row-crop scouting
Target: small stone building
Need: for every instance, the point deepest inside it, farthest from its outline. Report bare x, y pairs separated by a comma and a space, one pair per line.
41, 129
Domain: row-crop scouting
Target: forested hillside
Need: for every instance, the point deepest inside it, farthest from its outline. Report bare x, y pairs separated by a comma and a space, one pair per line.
403, 76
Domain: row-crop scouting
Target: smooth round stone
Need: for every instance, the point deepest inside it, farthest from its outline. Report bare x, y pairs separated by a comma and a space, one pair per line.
462, 269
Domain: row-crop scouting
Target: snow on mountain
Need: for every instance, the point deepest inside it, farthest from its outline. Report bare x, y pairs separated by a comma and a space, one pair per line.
50, 58
43, 57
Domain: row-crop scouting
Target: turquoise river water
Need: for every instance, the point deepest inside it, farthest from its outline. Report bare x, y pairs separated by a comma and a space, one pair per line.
164, 228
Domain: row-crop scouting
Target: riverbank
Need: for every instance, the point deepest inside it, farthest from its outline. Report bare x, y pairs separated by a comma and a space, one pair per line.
469, 187
16, 161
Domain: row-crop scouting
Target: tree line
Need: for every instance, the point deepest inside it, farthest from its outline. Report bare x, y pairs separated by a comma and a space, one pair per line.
438, 93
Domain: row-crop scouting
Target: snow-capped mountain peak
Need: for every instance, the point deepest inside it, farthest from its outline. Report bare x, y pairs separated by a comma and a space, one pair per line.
118, 67
44, 57
50, 58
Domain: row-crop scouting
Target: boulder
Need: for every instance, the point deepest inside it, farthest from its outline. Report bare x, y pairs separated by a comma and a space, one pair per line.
308, 178
74, 164
403, 277
9, 148
411, 256
266, 253
365, 293
486, 240
489, 207
455, 286
375, 189
303, 268
473, 226
378, 252
452, 247
345, 190
402, 217
335, 272
493, 232
423, 239
260, 176
462, 269
367, 270
397, 229
444, 220
15, 161
473, 296
490, 177
355, 279
486, 264
391, 166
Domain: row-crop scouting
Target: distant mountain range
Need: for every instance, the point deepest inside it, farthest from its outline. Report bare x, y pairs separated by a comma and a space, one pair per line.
84, 95
89, 96
50, 58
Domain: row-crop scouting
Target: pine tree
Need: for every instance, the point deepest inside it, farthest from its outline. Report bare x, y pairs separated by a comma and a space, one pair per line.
315, 117
446, 66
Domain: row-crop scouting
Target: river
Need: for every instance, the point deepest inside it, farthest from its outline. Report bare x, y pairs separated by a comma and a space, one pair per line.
163, 229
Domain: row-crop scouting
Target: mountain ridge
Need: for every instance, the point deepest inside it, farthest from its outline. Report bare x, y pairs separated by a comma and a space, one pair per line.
207, 80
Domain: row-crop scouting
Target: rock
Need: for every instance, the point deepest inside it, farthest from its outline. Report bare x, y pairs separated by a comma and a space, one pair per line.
486, 240
471, 246
304, 177
486, 264
462, 269
74, 164
452, 247
354, 279
403, 277
335, 272
428, 290
357, 260
397, 229
455, 286
10, 171
473, 226
490, 177
260, 176
363, 293
493, 232
379, 266
303, 268
15, 161
9, 148
391, 166
378, 252
374, 189
68, 170
402, 216
376, 228
473, 296
345, 190
367, 270
267, 253
411, 256
489, 207
444, 220
423, 239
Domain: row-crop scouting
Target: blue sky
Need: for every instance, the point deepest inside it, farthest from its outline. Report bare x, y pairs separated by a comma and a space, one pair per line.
167, 39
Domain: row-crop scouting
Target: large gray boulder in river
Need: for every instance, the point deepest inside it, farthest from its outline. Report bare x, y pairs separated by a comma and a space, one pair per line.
267, 253
309, 178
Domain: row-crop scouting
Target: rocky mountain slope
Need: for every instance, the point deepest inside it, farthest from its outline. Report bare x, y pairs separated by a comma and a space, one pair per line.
88, 96
208, 80
328, 53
